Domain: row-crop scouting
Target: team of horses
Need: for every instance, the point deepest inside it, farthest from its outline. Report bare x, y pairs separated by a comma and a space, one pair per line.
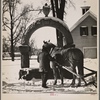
67, 56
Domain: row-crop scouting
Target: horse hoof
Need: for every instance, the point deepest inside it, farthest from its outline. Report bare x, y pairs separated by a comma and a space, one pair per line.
85, 84
54, 83
78, 85
72, 85
62, 83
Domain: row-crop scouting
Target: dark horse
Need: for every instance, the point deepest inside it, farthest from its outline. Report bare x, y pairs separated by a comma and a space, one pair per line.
67, 56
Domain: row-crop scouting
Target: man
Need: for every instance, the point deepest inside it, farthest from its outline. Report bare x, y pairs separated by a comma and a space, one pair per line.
44, 65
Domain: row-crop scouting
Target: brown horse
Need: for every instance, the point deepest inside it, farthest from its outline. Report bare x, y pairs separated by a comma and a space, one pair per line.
68, 56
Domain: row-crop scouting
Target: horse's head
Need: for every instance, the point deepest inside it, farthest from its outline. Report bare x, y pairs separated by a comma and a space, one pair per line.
48, 46
53, 50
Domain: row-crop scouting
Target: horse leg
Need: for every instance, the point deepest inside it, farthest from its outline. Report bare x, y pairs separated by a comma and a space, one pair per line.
55, 75
60, 74
81, 73
53, 65
74, 77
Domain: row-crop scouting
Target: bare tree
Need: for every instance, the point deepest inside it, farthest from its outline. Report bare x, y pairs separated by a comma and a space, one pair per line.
16, 23
58, 10
9, 7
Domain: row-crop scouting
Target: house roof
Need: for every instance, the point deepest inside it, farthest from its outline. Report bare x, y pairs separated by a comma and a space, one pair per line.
88, 13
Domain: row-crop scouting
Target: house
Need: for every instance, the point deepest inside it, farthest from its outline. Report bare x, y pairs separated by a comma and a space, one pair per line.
84, 33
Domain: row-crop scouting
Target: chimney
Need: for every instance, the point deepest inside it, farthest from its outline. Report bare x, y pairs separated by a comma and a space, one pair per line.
85, 9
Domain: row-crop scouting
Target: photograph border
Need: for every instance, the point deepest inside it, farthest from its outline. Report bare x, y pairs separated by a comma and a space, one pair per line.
0, 43
48, 97
98, 50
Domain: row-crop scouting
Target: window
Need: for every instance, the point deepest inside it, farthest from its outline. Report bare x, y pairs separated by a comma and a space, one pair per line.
94, 30
83, 11
87, 9
84, 31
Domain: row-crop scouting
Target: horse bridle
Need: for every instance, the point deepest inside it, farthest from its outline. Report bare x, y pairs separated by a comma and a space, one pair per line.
50, 52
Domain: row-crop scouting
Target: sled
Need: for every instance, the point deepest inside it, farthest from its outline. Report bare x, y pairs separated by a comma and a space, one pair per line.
92, 72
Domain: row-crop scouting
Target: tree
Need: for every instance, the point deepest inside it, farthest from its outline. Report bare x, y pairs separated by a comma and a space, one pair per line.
10, 7
58, 10
16, 23
32, 45
24, 19
5, 46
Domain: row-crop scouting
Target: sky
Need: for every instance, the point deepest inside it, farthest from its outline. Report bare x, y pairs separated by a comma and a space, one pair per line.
73, 14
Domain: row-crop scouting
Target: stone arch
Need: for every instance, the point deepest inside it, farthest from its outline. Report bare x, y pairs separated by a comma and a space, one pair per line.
38, 23
48, 21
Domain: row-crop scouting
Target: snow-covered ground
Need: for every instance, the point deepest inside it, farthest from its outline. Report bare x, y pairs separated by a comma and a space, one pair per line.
11, 84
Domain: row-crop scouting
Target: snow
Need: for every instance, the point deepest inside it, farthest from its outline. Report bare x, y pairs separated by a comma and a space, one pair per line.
11, 84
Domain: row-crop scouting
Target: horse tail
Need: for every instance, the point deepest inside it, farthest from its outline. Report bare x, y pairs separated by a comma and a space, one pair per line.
81, 65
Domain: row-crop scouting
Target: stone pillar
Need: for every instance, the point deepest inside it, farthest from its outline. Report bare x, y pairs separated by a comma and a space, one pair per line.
24, 49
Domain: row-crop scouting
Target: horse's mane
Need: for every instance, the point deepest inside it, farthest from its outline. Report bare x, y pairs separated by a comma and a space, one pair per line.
68, 46
56, 48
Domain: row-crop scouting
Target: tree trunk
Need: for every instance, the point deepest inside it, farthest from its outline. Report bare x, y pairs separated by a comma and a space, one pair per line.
59, 38
12, 46
12, 27
59, 13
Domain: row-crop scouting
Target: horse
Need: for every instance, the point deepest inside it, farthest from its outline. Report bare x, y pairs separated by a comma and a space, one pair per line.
67, 56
